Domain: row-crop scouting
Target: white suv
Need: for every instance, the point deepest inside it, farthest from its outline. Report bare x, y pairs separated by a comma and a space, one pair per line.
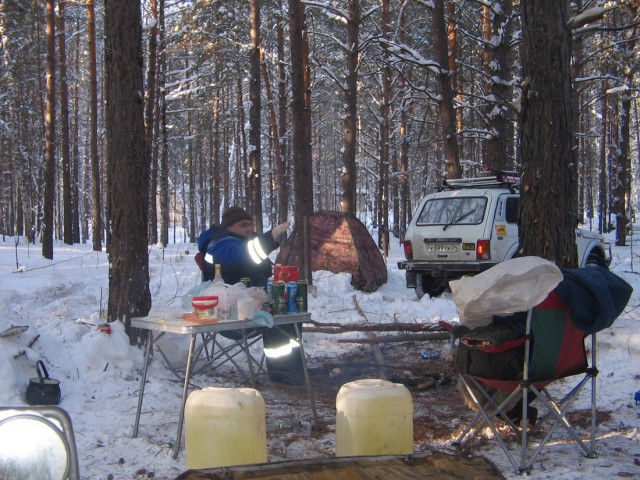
468, 227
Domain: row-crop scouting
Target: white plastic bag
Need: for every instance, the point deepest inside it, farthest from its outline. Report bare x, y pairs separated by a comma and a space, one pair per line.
515, 285
229, 295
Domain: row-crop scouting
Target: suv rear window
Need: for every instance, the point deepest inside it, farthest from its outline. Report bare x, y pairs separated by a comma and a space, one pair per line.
453, 210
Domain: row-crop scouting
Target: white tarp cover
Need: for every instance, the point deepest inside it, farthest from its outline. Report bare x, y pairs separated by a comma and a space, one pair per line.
515, 285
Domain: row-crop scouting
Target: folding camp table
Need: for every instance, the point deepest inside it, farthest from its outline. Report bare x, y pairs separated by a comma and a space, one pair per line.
176, 324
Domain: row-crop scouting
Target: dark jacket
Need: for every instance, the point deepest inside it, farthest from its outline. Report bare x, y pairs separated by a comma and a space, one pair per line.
231, 251
595, 296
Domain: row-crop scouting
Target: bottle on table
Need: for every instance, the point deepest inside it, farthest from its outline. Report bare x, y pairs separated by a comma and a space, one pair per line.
218, 276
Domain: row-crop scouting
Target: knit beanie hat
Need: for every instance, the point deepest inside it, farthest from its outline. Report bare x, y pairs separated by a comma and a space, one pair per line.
233, 215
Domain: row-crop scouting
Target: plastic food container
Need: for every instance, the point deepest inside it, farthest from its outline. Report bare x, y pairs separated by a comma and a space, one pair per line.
205, 306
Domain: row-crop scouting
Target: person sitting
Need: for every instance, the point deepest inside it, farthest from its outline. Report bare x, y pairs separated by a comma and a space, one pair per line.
243, 254
240, 253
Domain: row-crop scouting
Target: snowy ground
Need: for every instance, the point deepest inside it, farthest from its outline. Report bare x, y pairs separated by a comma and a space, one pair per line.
63, 301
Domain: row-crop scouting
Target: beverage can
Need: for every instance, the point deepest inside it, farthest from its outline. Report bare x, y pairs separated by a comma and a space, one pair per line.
267, 305
301, 298
431, 355
292, 293
246, 281
279, 293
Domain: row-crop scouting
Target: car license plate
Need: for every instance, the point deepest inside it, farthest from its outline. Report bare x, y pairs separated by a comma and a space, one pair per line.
443, 247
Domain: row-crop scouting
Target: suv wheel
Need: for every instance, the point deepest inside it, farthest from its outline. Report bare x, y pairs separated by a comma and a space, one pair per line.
595, 259
426, 284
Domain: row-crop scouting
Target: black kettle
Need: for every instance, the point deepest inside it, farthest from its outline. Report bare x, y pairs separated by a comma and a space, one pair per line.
43, 390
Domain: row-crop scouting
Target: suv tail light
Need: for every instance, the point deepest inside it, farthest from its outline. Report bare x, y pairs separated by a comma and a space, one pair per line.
483, 250
408, 249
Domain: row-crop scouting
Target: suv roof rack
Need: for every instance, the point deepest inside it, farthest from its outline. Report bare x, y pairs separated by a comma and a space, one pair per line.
492, 178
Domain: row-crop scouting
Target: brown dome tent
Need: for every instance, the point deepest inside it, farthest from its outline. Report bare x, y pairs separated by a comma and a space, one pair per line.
340, 243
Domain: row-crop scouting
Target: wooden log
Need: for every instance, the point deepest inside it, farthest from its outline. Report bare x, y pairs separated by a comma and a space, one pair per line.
335, 328
413, 337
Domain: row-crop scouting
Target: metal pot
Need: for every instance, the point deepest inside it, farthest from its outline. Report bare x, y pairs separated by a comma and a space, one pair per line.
43, 390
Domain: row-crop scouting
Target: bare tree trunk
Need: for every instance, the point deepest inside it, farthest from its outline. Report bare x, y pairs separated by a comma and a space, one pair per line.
301, 146
385, 160
273, 128
255, 170
150, 101
622, 169
349, 174
447, 114
282, 185
49, 175
75, 152
580, 121
96, 231
603, 195
128, 170
495, 59
452, 45
243, 162
549, 205
67, 210
405, 194
217, 164
162, 137
621, 188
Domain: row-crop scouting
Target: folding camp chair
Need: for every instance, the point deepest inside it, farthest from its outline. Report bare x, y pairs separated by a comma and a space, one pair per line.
37, 442
554, 348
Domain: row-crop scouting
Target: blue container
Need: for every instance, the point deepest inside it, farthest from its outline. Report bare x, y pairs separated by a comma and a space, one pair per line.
292, 293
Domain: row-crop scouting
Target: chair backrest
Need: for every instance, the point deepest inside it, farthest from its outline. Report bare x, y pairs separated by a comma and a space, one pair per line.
199, 259
37, 442
558, 348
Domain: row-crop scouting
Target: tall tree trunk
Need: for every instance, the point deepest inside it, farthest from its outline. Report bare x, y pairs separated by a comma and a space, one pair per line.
242, 164
300, 135
385, 160
452, 45
216, 188
621, 170
273, 126
282, 185
255, 170
495, 59
75, 151
96, 212
603, 195
349, 174
150, 102
445, 91
580, 121
67, 210
162, 129
622, 186
128, 170
49, 175
549, 203
405, 105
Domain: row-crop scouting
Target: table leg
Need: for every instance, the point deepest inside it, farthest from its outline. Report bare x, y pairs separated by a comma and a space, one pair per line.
307, 379
143, 381
245, 347
187, 376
